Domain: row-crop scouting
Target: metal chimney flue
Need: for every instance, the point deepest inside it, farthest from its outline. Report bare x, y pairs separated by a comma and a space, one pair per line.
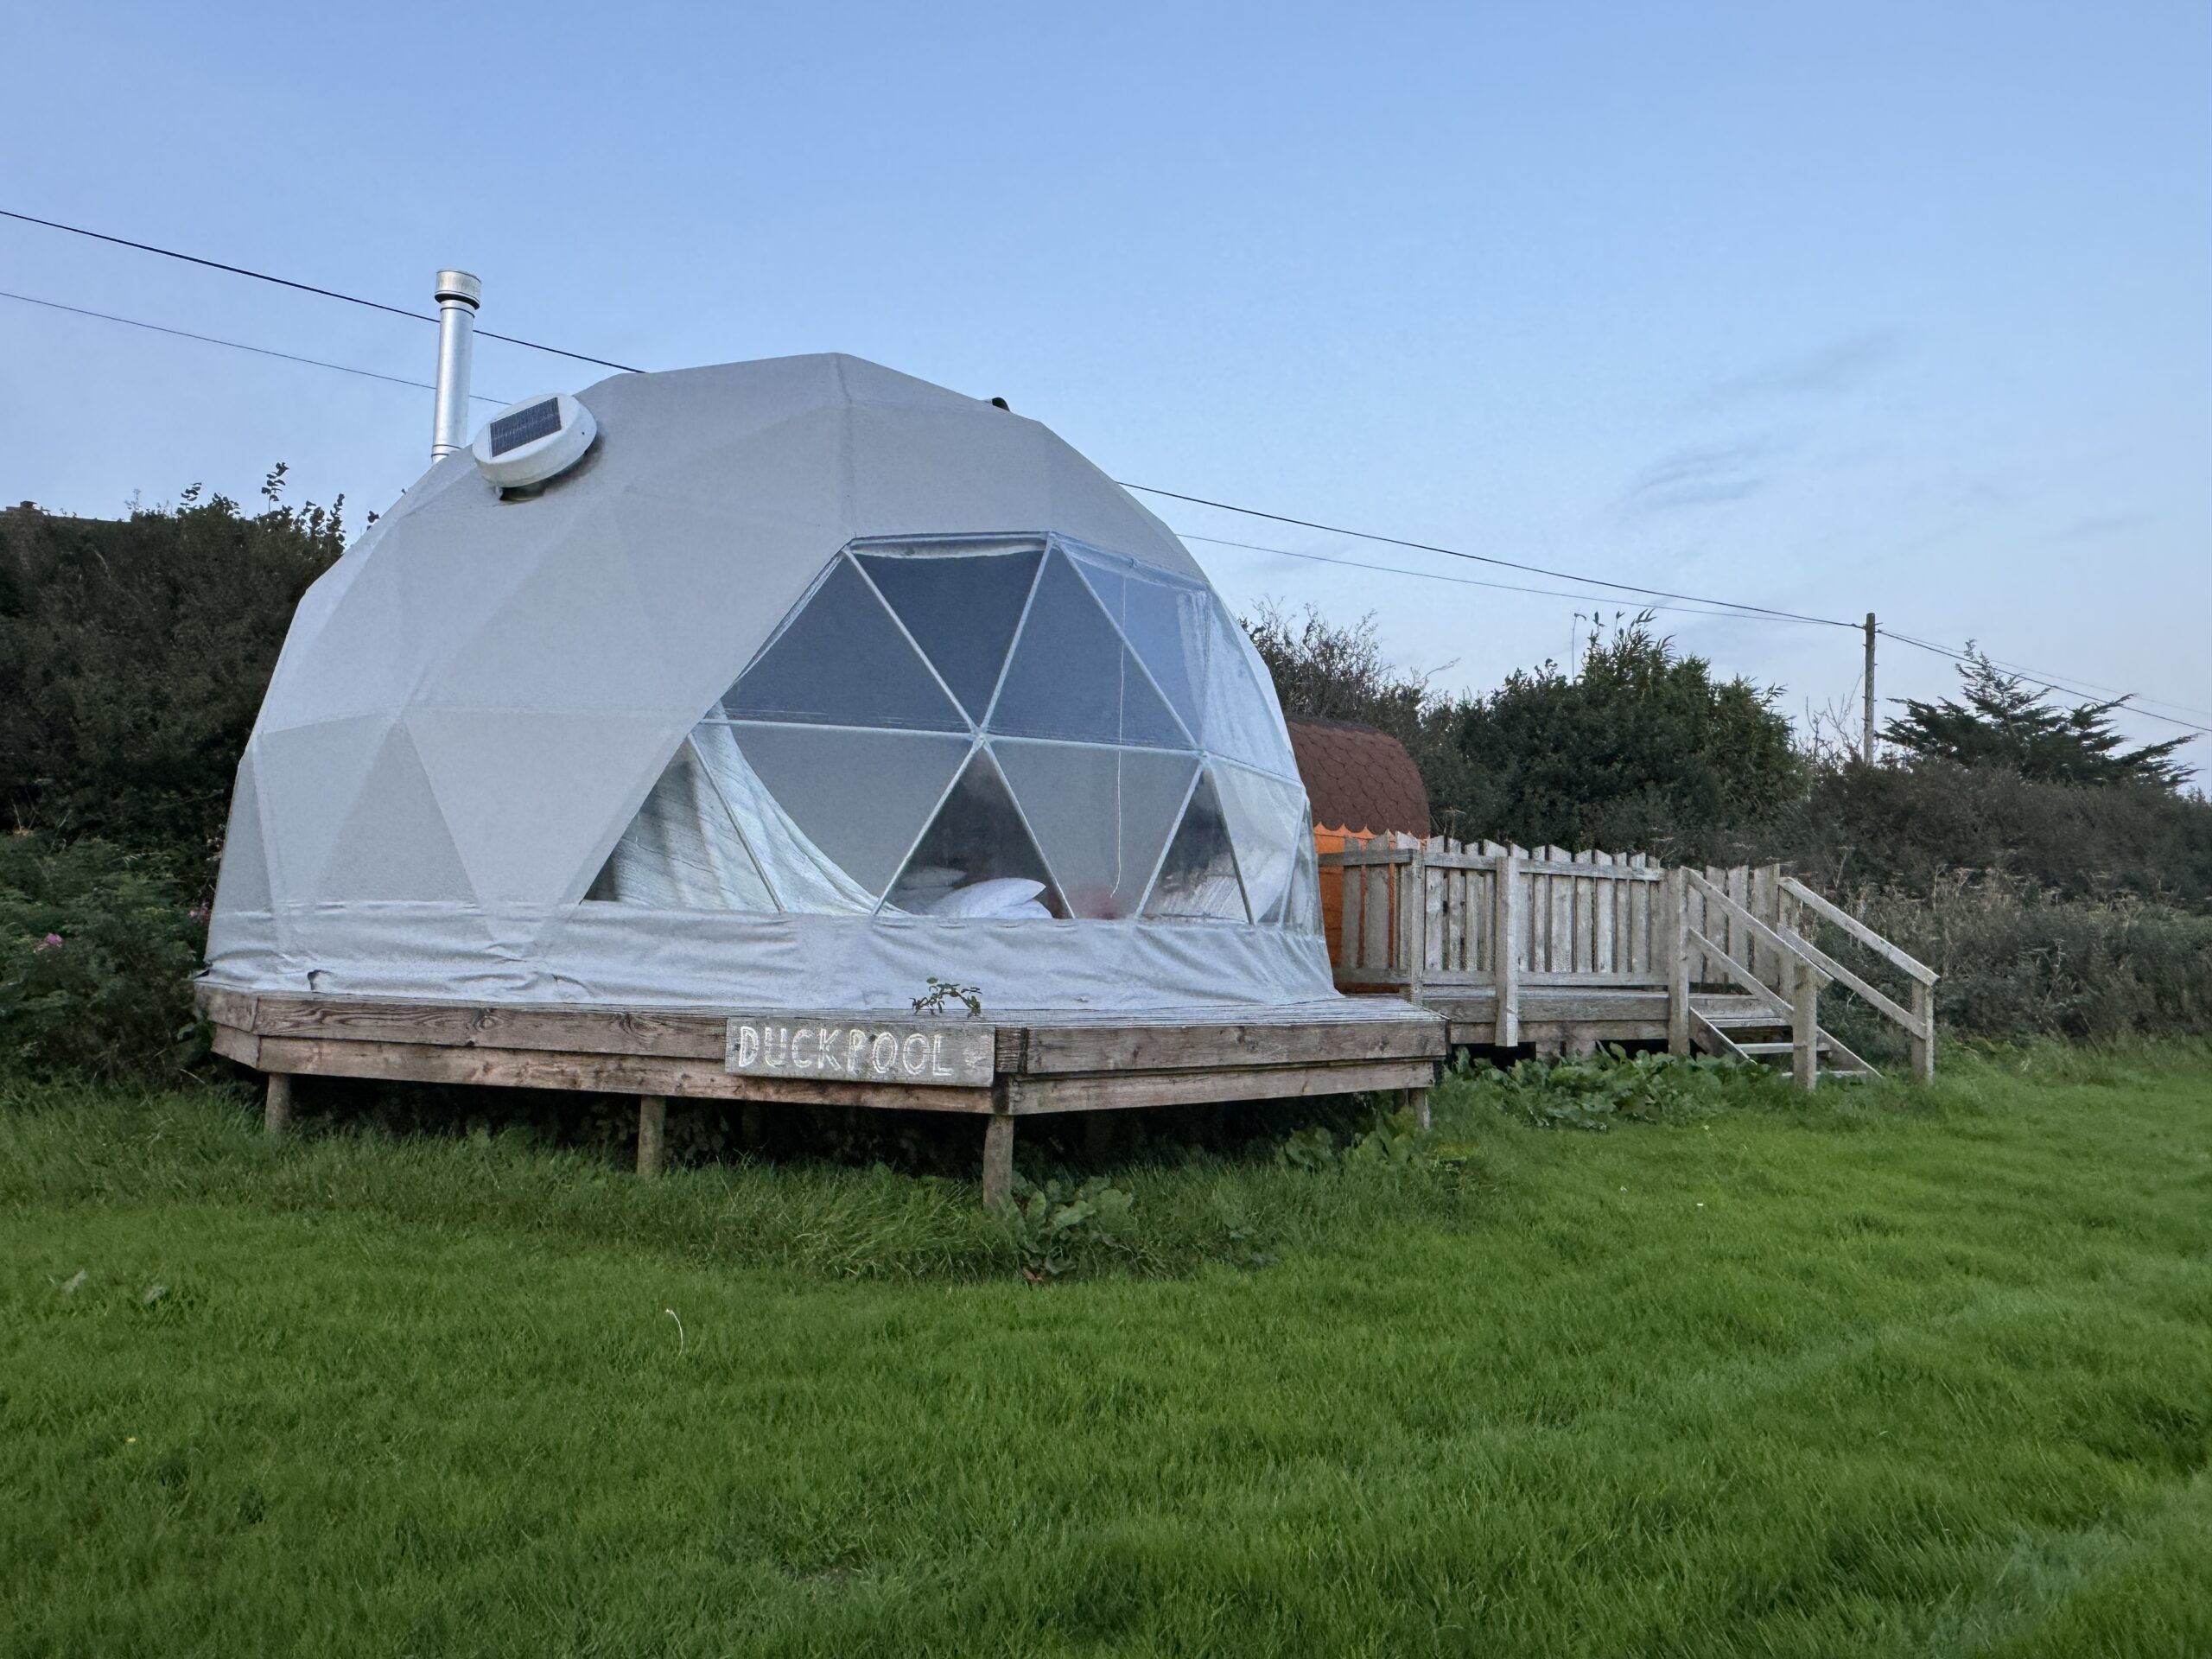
459, 295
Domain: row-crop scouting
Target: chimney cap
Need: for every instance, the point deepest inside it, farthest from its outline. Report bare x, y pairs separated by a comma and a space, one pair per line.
459, 285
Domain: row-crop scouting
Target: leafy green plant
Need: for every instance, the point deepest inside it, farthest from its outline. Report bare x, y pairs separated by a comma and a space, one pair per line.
1613, 1085
1054, 1224
1391, 1139
942, 992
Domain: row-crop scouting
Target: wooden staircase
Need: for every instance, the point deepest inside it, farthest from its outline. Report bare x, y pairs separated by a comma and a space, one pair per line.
1741, 1028
1559, 951
1781, 973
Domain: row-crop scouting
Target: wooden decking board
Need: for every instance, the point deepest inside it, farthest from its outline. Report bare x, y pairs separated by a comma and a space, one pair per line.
1045, 1060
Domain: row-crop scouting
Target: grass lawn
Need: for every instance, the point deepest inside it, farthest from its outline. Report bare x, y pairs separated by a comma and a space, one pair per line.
1887, 1373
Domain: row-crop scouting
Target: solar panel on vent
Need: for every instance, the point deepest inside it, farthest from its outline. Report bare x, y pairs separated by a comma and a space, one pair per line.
525, 426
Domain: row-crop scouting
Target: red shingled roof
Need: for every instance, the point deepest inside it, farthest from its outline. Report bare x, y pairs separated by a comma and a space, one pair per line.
1359, 778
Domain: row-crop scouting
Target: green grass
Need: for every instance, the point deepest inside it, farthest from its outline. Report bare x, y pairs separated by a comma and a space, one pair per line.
1889, 1373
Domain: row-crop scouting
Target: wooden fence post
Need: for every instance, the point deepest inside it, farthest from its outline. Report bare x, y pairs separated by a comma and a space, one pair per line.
277, 1108
652, 1134
1923, 1043
1805, 1028
1413, 909
1672, 934
1505, 955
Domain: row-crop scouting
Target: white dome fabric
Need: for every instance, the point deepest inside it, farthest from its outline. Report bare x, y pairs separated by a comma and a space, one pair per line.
811, 680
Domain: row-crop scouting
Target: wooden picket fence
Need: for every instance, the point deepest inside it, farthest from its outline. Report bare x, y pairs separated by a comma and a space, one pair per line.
1438, 919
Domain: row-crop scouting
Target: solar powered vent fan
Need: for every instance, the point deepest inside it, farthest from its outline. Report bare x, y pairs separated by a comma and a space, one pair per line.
538, 439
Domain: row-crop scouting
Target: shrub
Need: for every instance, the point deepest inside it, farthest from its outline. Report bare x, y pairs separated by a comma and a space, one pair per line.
1909, 825
96, 945
2019, 962
133, 657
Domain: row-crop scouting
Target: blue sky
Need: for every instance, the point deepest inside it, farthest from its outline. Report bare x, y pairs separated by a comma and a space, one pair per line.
1895, 308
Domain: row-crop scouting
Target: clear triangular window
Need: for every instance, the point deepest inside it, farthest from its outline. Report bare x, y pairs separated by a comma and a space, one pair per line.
962, 610
682, 850
842, 661
860, 797
1072, 678
1266, 820
1197, 880
977, 860
1302, 910
1169, 625
1102, 817
1240, 720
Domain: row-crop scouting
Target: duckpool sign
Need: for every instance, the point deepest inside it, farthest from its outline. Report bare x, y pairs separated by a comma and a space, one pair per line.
947, 1053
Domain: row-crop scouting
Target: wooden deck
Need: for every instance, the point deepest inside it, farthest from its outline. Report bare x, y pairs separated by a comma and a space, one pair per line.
1037, 1062
1442, 946
1564, 950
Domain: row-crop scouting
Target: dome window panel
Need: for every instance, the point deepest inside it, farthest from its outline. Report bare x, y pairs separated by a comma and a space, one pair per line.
1267, 821
1197, 880
1168, 624
859, 798
684, 849
1242, 721
1302, 913
962, 610
977, 860
842, 661
1072, 677
1102, 817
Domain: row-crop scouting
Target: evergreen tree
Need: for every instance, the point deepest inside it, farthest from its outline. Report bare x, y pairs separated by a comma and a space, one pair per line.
2003, 723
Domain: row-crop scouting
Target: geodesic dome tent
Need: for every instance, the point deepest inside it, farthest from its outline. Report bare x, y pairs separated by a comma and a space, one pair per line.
810, 681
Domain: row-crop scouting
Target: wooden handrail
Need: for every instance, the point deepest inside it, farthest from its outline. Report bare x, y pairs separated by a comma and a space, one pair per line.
1858, 930
1751, 923
1806, 950
1743, 975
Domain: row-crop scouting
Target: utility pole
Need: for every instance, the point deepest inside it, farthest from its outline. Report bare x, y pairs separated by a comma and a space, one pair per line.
1867, 742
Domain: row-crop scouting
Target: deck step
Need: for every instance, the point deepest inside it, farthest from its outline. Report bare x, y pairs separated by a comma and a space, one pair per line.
1826, 1046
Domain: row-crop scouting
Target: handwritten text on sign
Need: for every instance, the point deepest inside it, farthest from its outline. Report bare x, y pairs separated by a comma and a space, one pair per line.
951, 1053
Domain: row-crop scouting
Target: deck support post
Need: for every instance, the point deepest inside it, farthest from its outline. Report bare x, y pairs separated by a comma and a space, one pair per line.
1505, 953
1417, 1103
1675, 949
1805, 1028
1924, 1042
998, 1160
277, 1106
652, 1134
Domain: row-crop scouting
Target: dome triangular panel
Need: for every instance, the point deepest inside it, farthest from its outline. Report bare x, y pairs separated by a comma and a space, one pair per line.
842, 661
862, 797
1102, 817
962, 610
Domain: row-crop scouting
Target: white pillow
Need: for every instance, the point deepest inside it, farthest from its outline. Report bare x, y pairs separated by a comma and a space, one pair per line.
1002, 896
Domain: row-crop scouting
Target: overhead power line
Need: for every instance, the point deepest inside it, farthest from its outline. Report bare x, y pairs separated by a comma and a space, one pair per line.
303, 288
1472, 581
1727, 608
1485, 558
235, 345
